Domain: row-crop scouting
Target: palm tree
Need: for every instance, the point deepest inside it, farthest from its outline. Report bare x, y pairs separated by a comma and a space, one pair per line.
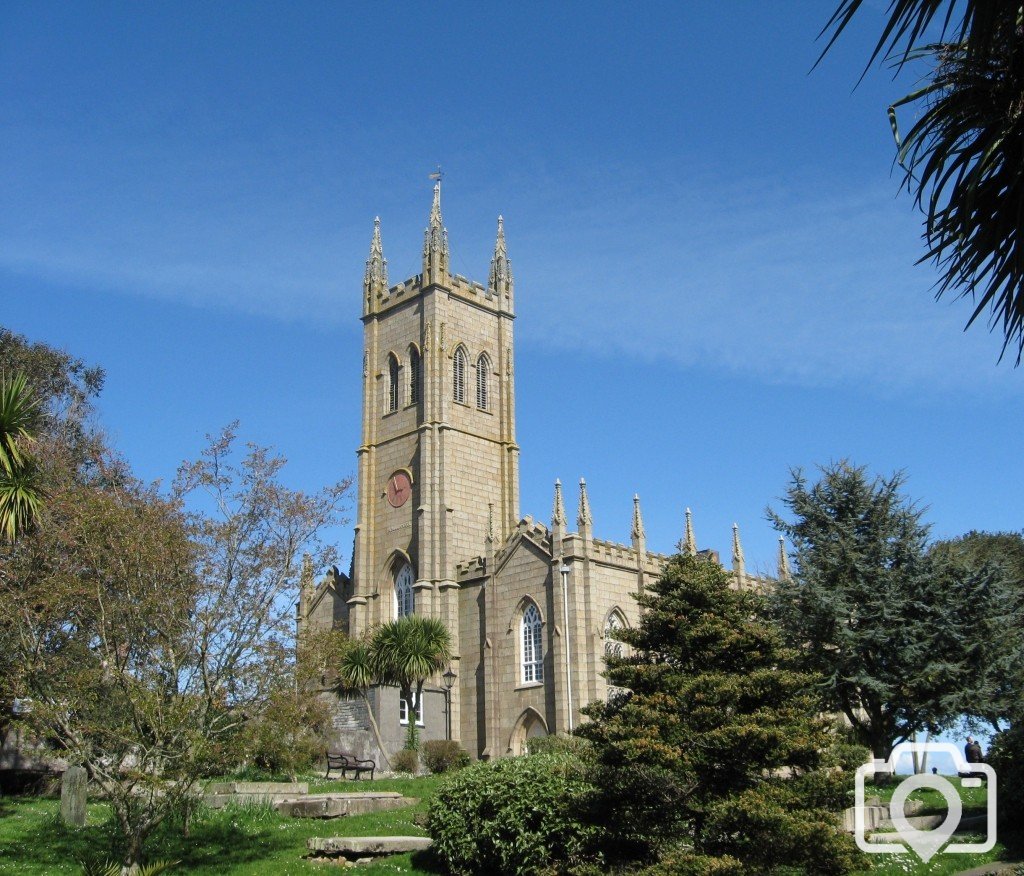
963, 158
20, 489
355, 675
405, 653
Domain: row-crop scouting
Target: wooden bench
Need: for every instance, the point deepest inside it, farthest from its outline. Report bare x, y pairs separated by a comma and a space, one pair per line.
344, 762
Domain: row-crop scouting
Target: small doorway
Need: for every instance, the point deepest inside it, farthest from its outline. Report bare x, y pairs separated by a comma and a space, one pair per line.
529, 726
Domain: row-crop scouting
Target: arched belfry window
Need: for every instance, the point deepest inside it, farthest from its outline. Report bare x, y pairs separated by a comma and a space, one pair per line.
392, 383
414, 376
403, 591
483, 387
459, 375
533, 658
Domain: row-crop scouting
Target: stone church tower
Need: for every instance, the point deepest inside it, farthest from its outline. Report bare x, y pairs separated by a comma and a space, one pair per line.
438, 460
531, 608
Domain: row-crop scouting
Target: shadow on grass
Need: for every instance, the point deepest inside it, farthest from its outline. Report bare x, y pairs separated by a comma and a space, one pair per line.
219, 840
1013, 841
47, 844
427, 861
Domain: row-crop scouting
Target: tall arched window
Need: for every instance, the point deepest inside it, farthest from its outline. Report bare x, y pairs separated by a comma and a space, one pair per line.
459, 375
533, 658
483, 376
612, 646
403, 591
392, 383
414, 375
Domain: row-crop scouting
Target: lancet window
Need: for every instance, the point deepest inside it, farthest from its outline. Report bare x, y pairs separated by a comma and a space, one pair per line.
403, 591
533, 659
483, 388
392, 383
414, 375
459, 375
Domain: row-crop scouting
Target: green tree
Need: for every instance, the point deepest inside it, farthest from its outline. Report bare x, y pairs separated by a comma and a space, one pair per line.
710, 759
878, 621
148, 636
20, 477
963, 157
991, 565
95, 606
63, 386
405, 653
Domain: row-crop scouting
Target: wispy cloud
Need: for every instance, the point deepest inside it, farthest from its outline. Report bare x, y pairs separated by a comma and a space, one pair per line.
800, 280
811, 284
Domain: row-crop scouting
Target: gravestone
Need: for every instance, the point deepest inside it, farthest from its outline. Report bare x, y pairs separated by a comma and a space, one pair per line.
73, 796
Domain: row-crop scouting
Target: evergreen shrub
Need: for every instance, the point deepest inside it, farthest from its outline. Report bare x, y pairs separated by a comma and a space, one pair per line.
405, 761
1007, 759
518, 815
560, 745
444, 755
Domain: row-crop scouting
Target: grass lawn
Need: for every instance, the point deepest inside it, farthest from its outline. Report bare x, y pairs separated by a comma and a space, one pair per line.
974, 803
235, 840
256, 840
974, 799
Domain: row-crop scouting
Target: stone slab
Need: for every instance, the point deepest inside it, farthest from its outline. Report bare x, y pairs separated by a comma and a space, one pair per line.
363, 846
994, 867
293, 788
219, 801
876, 814
339, 805
930, 822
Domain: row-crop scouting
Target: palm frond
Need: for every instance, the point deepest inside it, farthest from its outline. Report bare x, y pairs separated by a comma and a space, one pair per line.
355, 672
19, 411
963, 160
21, 491
21, 499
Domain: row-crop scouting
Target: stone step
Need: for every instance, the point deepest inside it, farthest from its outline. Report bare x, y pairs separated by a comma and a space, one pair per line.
293, 788
219, 801
339, 805
929, 822
876, 814
365, 846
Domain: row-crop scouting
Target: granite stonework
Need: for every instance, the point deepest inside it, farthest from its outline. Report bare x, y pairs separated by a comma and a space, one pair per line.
438, 503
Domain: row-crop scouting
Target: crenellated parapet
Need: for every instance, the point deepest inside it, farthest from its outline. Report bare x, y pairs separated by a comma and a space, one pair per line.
380, 298
471, 570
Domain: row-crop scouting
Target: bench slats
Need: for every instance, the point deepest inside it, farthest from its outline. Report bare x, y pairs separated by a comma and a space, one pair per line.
343, 762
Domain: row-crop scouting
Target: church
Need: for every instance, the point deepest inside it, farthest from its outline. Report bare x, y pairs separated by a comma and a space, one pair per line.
530, 605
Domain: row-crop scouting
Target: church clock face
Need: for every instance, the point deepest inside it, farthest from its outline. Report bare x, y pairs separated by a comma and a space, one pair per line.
399, 489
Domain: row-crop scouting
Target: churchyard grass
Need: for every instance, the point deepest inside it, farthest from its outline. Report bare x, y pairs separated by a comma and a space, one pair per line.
974, 802
257, 840
234, 840
974, 799
940, 865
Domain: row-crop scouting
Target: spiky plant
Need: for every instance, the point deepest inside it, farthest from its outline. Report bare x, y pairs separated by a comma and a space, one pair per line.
405, 653
963, 159
20, 482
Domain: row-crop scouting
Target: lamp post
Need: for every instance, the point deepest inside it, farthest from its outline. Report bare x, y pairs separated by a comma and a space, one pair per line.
565, 569
449, 682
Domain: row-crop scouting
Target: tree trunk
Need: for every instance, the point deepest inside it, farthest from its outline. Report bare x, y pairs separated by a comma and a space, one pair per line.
376, 730
132, 855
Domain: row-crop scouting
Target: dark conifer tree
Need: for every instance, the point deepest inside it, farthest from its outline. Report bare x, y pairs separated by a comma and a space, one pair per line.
710, 751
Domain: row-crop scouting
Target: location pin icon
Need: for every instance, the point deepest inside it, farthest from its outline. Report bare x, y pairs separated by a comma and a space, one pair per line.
925, 842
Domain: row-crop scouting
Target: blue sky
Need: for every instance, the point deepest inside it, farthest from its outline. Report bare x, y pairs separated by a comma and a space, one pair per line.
706, 237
